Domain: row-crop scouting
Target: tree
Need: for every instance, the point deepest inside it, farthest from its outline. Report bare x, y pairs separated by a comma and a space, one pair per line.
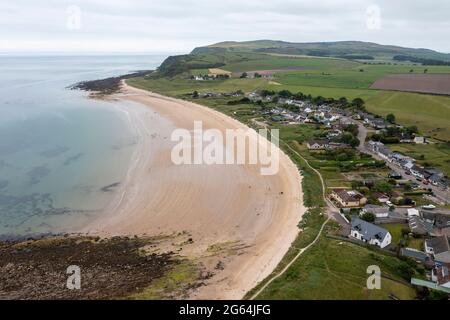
405, 231
383, 187
390, 118
285, 94
257, 75
425, 71
343, 101
244, 75
352, 128
195, 94
369, 217
358, 103
413, 129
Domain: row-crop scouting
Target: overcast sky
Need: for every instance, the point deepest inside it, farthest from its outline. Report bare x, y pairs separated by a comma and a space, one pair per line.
172, 26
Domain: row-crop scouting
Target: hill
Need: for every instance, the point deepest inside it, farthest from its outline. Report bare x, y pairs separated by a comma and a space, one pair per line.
340, 49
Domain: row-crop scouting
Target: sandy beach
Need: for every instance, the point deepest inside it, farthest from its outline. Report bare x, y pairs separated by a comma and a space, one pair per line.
236, 218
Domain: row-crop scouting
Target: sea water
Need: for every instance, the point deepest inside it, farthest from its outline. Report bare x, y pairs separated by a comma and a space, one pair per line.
62, 155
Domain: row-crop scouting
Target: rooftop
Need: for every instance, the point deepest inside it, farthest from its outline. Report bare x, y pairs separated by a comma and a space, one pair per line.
348, 195
440, 244
368, 230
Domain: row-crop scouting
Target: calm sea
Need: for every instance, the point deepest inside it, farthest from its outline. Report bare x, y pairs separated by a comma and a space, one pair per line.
61, 154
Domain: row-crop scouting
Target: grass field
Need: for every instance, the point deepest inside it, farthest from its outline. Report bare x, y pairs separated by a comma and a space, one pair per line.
395, 231
430, 155
430, 113
334, 269
327, 77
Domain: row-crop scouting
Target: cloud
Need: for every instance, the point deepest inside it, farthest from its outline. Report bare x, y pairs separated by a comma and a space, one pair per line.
180, 25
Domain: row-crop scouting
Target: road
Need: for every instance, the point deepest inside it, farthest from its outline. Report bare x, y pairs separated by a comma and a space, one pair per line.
441, 195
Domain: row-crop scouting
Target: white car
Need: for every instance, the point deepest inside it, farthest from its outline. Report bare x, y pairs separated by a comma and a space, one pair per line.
429, 207
390, 204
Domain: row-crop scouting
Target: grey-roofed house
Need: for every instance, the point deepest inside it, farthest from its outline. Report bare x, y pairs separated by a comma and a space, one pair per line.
439, 220
439, 247
370, 233
378, 211
418, 256
435, 179
419, 226
418, 172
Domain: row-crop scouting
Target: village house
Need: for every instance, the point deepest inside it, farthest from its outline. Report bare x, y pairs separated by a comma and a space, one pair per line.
348, 198
420, 140
440, 221
413, 213
380, 197
417, 256
378, 124
417, 171
395, 175
419, 226
318, 144
396, 196
441, 276
377, 211
370, 233
439, 247
334, 133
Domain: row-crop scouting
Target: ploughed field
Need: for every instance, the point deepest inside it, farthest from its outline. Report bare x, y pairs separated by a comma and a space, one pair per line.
423, 83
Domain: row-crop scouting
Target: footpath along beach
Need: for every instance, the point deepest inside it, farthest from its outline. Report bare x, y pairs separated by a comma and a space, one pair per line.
240, 223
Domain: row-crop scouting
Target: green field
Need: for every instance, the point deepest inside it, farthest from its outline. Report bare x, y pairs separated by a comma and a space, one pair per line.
327, 77
430, 113
334, 269
429, 155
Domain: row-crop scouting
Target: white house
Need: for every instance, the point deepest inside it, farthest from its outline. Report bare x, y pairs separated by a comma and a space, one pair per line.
370, 233
413, 213
419, 140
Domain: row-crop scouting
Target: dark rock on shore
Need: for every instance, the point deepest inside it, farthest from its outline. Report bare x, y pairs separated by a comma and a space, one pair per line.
110, 268
108, 85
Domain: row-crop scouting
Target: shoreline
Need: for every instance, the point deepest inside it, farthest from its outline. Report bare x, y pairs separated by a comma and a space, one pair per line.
236, 218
